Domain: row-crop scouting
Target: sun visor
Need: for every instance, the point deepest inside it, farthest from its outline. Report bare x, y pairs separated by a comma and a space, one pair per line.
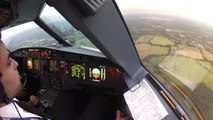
6, 14
90, 7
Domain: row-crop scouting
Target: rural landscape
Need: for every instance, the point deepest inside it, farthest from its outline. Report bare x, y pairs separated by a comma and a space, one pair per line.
179, 53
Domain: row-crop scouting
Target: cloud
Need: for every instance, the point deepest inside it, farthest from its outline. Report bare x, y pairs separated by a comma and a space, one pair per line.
199, 10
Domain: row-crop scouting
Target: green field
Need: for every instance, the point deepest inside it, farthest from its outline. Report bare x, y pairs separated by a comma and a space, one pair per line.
189, 74
145, 50
144, 39
207, 55
179, 54
160, 40
173, 63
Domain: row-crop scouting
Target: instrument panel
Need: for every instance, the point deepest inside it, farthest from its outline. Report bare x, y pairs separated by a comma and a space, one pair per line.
65, 70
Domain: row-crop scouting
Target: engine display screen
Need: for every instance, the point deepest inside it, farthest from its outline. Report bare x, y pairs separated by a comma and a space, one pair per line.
97, 73
78, 71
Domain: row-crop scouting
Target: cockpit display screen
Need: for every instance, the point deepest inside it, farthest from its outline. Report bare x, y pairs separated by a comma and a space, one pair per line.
37, 65
53, 66
29, 63
78, 71
114, 72
97, 73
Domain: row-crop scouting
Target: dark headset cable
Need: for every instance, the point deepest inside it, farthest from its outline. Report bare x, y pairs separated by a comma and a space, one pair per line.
7, 100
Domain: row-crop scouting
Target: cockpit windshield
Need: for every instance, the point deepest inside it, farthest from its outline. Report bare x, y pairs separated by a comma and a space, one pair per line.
63, 28
31, 35
174, 41
26, 35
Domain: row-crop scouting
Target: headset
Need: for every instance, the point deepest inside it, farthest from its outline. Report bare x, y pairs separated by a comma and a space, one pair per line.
3, 96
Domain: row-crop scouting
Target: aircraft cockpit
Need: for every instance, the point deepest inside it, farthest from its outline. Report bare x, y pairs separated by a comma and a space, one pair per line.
57, 62
86, 59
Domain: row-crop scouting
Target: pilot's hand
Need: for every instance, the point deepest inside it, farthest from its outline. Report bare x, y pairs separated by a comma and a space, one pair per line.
118, 116
33, 100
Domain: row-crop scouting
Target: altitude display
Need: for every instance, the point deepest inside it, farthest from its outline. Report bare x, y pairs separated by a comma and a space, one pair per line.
97, 73
78, 71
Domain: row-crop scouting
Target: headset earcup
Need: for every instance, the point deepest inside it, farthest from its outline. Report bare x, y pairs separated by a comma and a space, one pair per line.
1, 94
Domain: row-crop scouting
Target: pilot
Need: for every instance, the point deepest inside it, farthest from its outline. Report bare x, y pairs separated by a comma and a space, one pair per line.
10, 85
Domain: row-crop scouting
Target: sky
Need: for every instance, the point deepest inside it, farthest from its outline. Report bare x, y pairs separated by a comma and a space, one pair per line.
199, 10
15, 30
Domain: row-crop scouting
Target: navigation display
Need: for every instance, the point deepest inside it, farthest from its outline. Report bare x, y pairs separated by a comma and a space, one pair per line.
97, 73
78, 71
